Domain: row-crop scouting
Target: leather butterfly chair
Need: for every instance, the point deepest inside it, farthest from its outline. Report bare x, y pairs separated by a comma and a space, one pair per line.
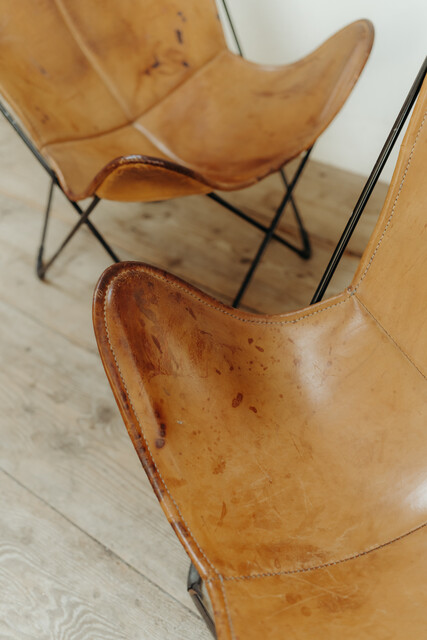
142, 101
289, 452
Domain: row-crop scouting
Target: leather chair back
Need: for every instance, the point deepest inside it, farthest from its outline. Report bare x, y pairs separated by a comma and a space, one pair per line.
389, 281
73, 68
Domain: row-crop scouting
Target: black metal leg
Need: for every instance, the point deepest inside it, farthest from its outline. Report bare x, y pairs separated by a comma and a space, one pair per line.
95, 232
39, 263
227, 205
370, 184
41, 270
236, 39
271, 230
303, 232
194, 588
42, 267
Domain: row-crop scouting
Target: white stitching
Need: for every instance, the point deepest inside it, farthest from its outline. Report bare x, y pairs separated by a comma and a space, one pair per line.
178, 285
143, 436
326, 564
394, 205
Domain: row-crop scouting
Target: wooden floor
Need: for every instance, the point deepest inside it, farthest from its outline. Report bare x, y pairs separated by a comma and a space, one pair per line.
85, 552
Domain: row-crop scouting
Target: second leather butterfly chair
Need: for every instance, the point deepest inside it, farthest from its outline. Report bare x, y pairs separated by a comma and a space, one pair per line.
140, 100
289, 452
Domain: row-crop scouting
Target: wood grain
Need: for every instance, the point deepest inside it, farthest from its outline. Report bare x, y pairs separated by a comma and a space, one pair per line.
87, 595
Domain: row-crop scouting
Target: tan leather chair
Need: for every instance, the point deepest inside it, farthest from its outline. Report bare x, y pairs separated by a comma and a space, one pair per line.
289, 452
142, 100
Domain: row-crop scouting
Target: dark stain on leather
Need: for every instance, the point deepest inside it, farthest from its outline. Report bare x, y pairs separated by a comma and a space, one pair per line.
250, 340
191, 312
176, 483
179, 36
219, 467
148, 313
259, 348
218, 371
337, 602
157, 343
292, 598
147, 71
182, 16
254, 409
161, 426
237, 400
223, 514
143, 302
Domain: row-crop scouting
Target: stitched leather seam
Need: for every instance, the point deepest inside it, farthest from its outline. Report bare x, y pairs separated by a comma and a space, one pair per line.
321, 566
390, 337
143, 436
177, 285
393, 210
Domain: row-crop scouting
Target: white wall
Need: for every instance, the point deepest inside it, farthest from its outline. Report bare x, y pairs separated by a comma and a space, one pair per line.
281, 31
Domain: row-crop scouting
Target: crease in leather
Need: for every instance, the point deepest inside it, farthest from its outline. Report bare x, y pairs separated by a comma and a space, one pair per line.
85, 138
110, 85
132, 121
116, 282
390, 337
163, 148
78, 38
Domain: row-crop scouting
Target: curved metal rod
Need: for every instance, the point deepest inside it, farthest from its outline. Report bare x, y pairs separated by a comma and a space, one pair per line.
370, 184
230, 21
194, 588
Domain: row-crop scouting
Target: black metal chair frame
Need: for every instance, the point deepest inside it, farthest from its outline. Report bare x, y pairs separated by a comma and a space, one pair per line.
304, 251
194, 582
